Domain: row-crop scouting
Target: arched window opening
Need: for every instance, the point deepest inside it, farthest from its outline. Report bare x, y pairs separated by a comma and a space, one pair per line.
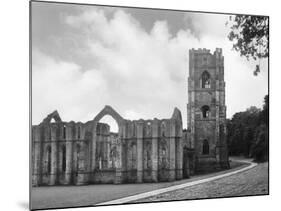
149, 129
163, 128
147, 157
107, 132
79, 132
134, 158
50, 133
53, 120
113, 154
64, 132
113, 126
164, 161
206, 80
78, 149
49, 152
205, 147
63, 158
132, 151
205, 111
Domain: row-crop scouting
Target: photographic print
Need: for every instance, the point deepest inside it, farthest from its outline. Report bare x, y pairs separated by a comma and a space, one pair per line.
133, 105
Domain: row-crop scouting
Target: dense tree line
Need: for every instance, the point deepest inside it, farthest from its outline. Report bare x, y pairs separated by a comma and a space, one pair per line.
248, 133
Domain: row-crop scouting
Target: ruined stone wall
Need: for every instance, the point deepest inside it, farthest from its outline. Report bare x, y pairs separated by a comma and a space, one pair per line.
153, 150
188, 155
105, 155
60, 153
69, 153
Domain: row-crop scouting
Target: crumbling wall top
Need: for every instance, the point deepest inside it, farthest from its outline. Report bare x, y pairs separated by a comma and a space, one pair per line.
54, 115
177, 114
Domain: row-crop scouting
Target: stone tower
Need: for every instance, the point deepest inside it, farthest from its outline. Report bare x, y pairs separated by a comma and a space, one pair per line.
206, 110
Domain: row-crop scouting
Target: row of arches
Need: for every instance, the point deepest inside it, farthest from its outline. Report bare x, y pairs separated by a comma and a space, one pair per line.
78, 132
153, 151
106, 149
63, 161
139, 149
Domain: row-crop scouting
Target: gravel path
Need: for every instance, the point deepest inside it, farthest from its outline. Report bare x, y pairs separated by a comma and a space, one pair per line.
73, 196
250, 182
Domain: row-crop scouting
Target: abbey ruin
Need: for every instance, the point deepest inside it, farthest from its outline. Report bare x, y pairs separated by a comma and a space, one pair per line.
154, 150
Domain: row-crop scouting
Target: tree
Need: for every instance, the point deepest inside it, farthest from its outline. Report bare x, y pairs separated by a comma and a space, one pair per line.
250, 36
248, 133
265, 111
260, 147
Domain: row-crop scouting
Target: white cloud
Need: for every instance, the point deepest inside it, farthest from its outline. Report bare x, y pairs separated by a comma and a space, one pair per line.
208, 24
140, 74
133, 115
62, 86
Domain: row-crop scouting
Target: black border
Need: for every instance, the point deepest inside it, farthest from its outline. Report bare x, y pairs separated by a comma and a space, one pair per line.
131, 7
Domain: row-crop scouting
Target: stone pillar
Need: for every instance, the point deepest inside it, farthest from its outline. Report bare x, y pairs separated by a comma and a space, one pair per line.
217, 93
192, 120
139, 152
36, 151
172, 153
45, 177
191, 97
119, 157
217, 136
68, 148
179, 157
108, 144
93, 154
81, 165
155, 135
86, 152
82, 177
53, 177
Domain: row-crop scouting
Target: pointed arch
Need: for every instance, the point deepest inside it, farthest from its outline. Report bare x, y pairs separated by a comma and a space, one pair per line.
205, 80
108, 110
54, 115
205, 111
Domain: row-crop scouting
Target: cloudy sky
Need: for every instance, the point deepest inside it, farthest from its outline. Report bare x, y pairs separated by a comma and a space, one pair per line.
136, 60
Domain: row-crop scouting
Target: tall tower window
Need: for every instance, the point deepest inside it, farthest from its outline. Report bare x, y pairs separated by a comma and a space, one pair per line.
205, 111
205, 147
205, 80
